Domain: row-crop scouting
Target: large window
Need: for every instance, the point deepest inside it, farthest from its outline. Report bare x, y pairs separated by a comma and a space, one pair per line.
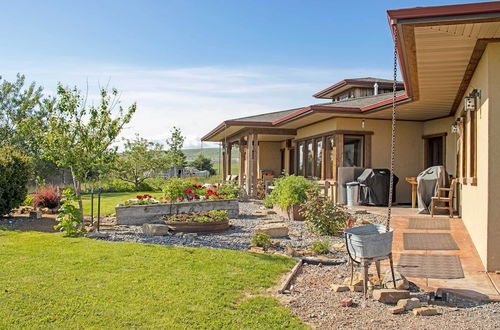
309, 158
353, 150
300, 159
318, 158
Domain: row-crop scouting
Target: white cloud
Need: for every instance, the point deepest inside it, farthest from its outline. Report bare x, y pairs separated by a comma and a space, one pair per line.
194, 99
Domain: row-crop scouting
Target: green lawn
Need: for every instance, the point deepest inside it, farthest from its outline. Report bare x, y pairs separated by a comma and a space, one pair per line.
109, 201
48, 281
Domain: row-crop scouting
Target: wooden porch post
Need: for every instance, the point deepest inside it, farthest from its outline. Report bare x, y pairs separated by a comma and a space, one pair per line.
242, 161
252, 164
228, 157
224, 163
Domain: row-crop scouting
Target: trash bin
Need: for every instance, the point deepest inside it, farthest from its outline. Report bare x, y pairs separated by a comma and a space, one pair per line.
352, 193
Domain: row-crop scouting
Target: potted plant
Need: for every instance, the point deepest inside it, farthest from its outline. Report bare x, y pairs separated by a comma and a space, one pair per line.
288, 194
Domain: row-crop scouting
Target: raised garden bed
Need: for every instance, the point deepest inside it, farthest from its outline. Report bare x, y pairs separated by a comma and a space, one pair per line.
141, 214
198, 227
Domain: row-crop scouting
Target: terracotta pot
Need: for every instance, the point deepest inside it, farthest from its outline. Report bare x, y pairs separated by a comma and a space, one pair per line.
198, 227
292, 213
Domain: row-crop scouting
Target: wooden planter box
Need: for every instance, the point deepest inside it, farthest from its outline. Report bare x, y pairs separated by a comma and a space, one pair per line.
141, 214
198, 227
292, 213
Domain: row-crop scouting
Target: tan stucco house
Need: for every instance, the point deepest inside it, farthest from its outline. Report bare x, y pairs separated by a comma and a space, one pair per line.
448, 111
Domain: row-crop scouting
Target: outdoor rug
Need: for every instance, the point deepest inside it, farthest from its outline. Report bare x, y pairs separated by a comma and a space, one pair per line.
430, 266
417, 241
429, 224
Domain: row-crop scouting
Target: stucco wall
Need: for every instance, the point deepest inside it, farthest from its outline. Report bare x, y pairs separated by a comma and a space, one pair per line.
480, 207
439, 126
409, 160
270, 157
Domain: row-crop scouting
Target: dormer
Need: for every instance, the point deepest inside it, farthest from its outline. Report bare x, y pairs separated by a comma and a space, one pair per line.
357, 87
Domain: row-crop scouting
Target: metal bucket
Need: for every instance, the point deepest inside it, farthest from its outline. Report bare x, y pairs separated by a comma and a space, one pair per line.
369, 241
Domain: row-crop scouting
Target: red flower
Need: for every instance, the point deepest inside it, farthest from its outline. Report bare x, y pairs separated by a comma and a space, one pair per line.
188, 191
138, 197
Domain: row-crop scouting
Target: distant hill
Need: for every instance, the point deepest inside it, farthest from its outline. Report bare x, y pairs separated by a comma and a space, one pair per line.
212, 153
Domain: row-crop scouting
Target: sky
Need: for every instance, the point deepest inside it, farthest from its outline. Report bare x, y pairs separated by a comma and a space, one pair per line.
193, 63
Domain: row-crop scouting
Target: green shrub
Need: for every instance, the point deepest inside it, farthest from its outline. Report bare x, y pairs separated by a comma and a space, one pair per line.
176, 187
321, 247
69, 217
28, 200
229, 189
290, 190
219, 215
323, 216
14, 175
262, 240
152, 184
268, 202
204, 216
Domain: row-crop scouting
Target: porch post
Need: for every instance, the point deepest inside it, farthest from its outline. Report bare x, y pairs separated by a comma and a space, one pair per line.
228, 156
224, 163
242, 161
251, 164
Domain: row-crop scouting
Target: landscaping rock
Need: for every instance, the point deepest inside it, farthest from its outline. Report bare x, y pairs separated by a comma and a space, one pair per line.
401, 281
390, 296
35, 214
346, 302
270, 212
357, 280
397, 310
356, 288
273, 221
273, 230
365, 222
338, 246
290, 251
256, 249
425, 311
339, 288
155, 229
409, 304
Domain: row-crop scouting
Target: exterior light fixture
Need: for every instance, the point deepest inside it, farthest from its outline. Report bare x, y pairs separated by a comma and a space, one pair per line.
454, 128
470, 103
363, 123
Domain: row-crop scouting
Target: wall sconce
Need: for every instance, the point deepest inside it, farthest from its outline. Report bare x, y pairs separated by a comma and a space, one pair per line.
470, 101
363, 123
454, 128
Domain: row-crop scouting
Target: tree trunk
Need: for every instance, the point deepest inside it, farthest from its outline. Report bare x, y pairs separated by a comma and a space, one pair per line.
76, 185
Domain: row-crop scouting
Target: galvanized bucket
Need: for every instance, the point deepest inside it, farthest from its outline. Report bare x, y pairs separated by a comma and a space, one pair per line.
369, 241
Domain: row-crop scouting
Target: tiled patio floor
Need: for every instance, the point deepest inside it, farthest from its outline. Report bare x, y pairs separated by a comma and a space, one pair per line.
477, 282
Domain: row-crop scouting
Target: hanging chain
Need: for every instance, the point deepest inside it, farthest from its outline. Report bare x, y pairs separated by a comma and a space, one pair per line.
393, 129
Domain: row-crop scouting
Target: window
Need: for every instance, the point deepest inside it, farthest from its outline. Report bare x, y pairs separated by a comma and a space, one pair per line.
309, 158
353, 150
318, 159
330, 156
300, 159
435, 151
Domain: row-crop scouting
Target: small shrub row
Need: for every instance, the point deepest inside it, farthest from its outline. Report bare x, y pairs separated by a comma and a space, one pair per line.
210, 216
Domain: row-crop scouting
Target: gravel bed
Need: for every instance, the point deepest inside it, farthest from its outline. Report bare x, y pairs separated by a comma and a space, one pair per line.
312, 300
238, 237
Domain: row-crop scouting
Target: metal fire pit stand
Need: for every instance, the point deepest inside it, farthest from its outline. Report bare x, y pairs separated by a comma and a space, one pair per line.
365, 264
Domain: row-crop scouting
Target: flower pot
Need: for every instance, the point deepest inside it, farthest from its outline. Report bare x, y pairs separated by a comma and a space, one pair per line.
291, 213
198, 227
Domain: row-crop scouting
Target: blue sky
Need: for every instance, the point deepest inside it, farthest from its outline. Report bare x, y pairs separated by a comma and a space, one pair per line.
195, 63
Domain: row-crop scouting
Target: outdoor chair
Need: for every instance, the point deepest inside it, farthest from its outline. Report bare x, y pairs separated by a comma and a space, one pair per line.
444, 199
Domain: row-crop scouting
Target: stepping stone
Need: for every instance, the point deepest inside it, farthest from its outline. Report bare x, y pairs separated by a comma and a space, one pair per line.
155, 229
388, 296
273, 230
409, 304
401, 281
425, 311
273, 221
339, 288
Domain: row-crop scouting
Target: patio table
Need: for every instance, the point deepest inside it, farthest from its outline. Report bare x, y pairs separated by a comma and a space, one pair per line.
413, 181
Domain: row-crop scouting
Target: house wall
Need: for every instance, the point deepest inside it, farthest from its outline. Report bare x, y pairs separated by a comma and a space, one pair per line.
439, 126
480, 207
409, 161
270, 157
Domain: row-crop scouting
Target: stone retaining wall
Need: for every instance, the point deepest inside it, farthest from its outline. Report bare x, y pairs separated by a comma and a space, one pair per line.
141, 214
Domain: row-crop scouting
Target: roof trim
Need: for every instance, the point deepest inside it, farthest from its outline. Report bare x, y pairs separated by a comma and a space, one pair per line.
398, 15
345, 82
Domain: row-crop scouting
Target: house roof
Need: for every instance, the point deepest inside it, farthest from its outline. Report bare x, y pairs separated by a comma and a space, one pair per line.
345, 84
445, 41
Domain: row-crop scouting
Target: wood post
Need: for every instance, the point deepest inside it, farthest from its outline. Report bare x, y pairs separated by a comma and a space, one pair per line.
224, 163
228, 159
242, 162
252, 164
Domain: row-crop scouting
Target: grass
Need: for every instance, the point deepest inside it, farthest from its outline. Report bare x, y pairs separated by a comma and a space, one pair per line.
48, 281
109, 201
